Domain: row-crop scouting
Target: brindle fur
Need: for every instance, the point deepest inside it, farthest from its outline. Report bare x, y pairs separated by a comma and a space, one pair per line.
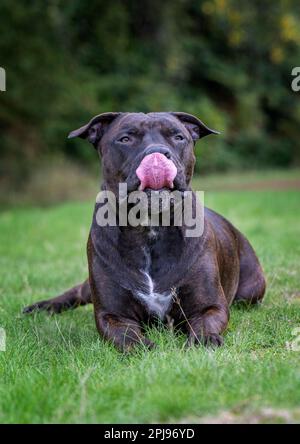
206, 274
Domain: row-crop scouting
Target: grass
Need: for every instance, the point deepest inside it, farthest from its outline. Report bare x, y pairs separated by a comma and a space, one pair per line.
235, 180
57, 369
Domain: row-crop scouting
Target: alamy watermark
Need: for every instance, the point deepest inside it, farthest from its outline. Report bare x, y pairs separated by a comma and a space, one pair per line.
2, 340
152, 209
294, 345
295, 85
2, 79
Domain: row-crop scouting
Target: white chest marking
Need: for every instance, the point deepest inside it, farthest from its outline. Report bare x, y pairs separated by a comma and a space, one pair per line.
157, 303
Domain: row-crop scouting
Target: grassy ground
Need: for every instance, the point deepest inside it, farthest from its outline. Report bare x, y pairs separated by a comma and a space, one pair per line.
250, 180
57, 369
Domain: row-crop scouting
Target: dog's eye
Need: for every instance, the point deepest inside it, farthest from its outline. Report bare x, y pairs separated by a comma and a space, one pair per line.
124, 139
178, 137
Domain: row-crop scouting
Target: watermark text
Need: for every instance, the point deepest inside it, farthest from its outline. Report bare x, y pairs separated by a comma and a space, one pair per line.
296, 81
2, 340
2, 79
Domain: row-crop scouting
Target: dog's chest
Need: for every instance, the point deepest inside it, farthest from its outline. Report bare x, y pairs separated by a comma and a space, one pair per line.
157, 303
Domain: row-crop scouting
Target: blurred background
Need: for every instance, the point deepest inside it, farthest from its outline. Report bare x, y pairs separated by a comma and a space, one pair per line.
226, 61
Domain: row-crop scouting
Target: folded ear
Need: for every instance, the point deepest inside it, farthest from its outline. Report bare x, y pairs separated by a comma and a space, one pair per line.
94, 129
194, 125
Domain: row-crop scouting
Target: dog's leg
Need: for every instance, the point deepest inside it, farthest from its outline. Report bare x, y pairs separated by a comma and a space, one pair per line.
252, 284
203, 306
118, 318
124, 333
76, 296
206, 326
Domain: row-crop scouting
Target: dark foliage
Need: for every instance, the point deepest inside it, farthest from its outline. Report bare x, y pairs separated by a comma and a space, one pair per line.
229, 62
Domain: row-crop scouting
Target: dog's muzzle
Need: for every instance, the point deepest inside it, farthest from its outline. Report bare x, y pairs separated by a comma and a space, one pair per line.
156, 171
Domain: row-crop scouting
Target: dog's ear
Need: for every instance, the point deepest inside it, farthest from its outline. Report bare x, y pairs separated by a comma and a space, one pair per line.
93, 131
194, 125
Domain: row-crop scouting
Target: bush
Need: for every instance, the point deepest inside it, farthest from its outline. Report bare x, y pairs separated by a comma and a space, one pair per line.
225, 61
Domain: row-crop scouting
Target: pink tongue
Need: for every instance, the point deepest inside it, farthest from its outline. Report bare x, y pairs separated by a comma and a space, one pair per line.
156, 171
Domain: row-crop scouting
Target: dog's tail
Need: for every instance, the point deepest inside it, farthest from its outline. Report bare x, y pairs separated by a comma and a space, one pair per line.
73, 298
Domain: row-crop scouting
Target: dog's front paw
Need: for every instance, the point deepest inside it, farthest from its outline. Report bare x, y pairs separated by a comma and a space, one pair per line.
209, 340
213, 340
129, 346
149, 344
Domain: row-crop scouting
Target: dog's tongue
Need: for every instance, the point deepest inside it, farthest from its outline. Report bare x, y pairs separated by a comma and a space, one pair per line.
156, 172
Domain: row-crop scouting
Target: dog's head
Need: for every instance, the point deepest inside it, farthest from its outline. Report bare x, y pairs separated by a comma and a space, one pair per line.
147, 151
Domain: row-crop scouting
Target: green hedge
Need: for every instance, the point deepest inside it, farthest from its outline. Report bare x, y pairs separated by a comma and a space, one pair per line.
229, 62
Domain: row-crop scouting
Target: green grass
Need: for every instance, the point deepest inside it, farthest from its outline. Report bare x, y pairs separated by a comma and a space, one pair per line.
234, 179
57, 369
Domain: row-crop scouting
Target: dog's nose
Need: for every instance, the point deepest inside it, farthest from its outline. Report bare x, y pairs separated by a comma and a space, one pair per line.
158, 149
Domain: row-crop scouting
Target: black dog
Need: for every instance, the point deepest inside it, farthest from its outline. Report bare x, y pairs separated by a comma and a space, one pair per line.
140, 273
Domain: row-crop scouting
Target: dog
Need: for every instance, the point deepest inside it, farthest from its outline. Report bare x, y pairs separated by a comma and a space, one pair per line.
138, 274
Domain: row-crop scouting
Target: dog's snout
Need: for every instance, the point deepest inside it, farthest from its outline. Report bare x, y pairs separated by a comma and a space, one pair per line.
158, 149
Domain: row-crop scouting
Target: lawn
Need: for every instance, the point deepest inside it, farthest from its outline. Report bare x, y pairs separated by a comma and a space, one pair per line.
57, 369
